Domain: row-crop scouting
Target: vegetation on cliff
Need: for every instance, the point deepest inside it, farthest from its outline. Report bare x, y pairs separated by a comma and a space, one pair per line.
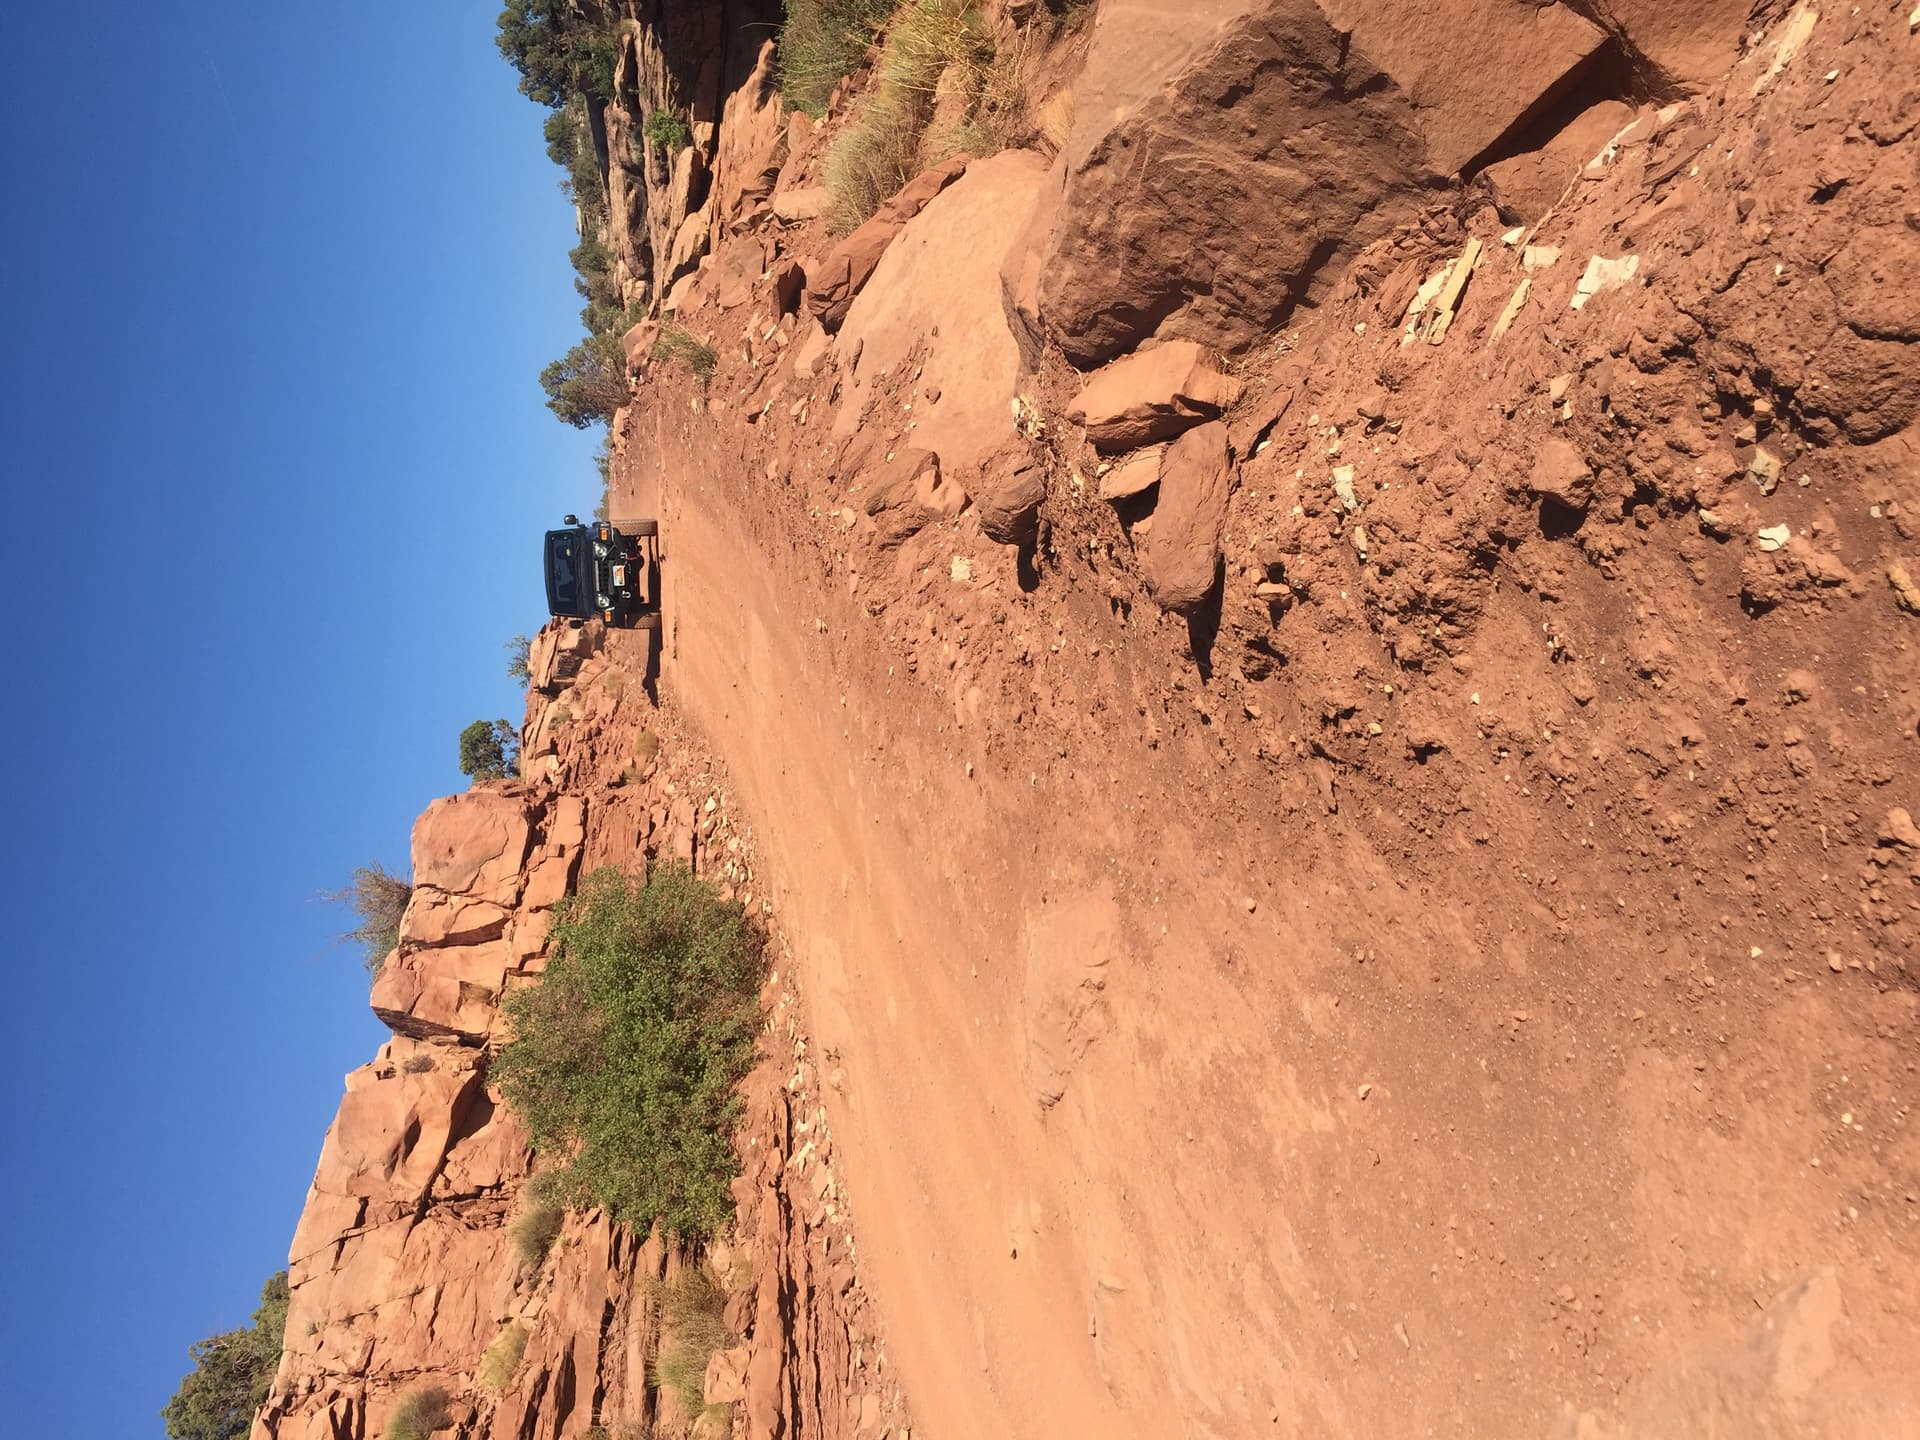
378, 898
231, 1373
822, 43
588, 383
626, 1055
489, 750
561, 48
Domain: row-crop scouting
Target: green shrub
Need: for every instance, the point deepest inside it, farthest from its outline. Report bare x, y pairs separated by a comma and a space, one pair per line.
822, 43
586, 385
418, 1415
503, 1356
489, 750
231, 1374
519, 651
570, 146
692, 1305
627, 1052
379, 898
677, 344
882, 149
558, 50
667, 130
536, 1227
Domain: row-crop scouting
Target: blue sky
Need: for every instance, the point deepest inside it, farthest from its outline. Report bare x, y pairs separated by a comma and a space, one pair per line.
278, 282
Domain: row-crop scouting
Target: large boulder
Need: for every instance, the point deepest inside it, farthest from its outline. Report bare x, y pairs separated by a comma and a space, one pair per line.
1219, 171
1009, 501
442, 992
473, 844
934, 297
1152, 395
1527, 185
1182, 560
850, 264
1687, 43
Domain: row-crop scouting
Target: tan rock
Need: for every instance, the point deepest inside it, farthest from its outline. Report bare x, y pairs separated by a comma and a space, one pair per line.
442, 992
727, 1376
737, 272
1182, 558
754, 122
473, 844
1526, 186
1134, 475
550, 881
935, 296
436, 918
803, 203
1151, 395
1009, 501
1560, 473
849, 265
811, 352
689, 243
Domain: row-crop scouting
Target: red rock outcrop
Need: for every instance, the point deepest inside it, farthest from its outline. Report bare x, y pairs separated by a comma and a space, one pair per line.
402, 1271
1151, 395
833, 284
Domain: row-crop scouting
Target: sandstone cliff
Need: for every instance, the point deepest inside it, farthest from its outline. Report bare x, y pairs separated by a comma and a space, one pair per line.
403, 1270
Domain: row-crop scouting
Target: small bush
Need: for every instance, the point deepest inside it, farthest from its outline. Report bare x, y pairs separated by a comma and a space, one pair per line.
379, 898
586, 385
417, 1064
231, 1374
936, 51
503, 1356
418, 1415
535, 1228
677, 344
822, 43
667, 130
691, 1308
627, 1052
489, 750
519, 650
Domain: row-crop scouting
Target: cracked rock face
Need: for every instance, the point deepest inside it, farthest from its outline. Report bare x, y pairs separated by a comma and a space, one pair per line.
1207, 192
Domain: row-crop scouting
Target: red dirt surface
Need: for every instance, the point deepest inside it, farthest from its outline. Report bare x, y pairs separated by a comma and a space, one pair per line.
1466, 987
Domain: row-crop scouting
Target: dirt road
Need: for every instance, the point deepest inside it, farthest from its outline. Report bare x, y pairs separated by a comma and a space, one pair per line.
1170, 1107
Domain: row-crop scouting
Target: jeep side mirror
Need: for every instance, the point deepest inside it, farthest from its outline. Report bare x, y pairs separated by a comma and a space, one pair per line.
572, 519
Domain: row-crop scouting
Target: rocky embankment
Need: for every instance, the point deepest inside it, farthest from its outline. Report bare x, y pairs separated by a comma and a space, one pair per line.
403, 1269
1327, 638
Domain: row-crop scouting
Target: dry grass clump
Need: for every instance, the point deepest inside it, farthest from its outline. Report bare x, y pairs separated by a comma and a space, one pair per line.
941, 90
675, 343
692, 1305
418, 1415
822, 43
503, 1356
535, 1228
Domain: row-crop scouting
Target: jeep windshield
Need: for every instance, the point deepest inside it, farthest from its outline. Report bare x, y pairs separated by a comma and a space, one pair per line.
569, 578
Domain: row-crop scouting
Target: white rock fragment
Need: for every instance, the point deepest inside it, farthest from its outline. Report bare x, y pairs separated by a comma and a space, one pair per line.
1602, 275
1343, 487
1773, 537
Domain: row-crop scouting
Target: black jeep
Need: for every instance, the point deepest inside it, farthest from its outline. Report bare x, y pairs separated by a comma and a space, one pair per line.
609, 569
